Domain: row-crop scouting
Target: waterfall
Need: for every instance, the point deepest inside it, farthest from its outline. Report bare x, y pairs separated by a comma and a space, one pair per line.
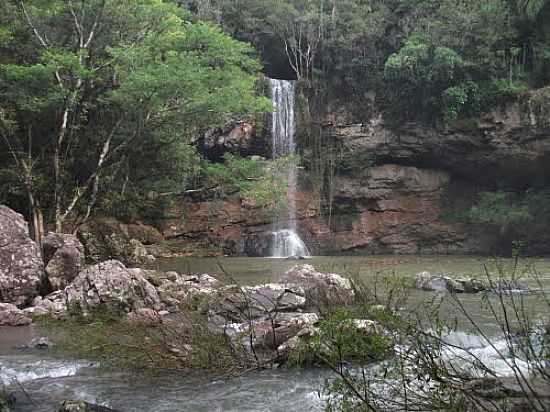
286, 241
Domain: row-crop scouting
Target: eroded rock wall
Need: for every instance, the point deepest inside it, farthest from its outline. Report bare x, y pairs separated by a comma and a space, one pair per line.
393, 186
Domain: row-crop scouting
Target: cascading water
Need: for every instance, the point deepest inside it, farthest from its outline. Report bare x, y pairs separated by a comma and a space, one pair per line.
286, 241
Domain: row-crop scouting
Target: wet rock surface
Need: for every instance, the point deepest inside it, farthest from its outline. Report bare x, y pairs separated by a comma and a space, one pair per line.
440, 283
516, 395
21, 266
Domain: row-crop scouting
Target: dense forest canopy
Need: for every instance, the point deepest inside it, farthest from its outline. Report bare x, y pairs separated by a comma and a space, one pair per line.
101, 100
422, 58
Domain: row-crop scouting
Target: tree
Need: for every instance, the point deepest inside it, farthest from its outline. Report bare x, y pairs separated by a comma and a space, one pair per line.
96, 80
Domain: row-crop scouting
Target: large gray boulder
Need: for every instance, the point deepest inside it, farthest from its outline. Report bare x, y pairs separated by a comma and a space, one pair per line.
240, 303
175, 289
321, 289
65, 258
107, 285
113, 286
11, 315
21, 266
53, 304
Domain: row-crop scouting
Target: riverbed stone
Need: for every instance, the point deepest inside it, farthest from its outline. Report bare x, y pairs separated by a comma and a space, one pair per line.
65, 258
21, 266
472, 285
507, 393
271, 332
175, 289
320, 288
54, 304
113, 286
11, 315
81, 406
440, 283
240, 303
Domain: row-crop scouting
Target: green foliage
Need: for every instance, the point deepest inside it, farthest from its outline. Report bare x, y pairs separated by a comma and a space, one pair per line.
264, 183
498, 208
503, 208
117, 343
428, 79
423, 60
339, 339
134, 80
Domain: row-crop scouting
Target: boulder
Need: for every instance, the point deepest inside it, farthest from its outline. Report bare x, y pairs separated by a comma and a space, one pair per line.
81, 406
235, 137
107, 238
21, 266
53, 304
271, 332
111, 285
427, 281
11, 315
175, 289
510, 393
144, 317
64, 257
320, 288
472, 285
41, 343
237, 304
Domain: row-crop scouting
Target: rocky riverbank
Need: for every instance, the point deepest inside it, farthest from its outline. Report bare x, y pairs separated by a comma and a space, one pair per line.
138, 318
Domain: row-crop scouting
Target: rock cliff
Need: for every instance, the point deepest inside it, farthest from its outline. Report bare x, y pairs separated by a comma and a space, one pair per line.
392, 186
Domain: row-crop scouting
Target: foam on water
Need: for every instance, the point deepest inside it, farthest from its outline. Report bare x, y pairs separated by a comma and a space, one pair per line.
464, 350
21, 370
287, 243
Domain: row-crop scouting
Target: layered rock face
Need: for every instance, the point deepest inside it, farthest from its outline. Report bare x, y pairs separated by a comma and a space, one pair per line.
510, 143
21, 267
390, 208
230, 226
236, 137
392, 187
385, 209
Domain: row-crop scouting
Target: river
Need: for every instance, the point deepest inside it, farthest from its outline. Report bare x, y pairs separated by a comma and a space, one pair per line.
48, 379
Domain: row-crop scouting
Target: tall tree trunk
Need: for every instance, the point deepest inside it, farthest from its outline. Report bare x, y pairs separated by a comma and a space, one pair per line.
37, 221
58, 185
